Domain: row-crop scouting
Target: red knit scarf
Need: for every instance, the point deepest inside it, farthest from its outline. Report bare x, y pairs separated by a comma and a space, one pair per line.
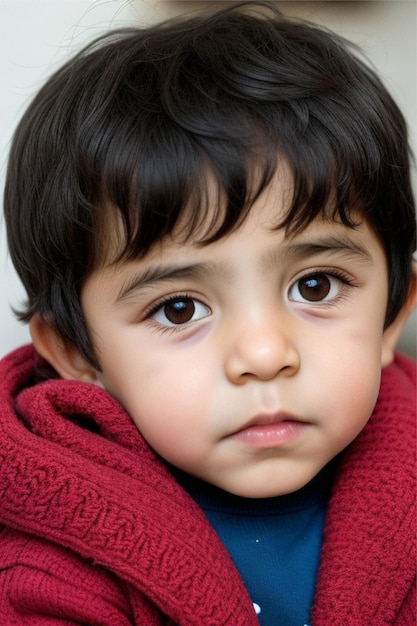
106, 497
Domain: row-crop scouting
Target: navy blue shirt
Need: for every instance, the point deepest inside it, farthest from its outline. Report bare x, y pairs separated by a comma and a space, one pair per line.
275, 543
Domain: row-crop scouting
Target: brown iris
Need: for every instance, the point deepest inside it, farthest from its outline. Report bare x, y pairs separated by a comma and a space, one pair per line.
179, 310
314, 288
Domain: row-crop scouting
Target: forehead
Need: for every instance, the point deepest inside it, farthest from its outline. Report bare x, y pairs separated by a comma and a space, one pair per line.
258, 236
201, 229
204, 218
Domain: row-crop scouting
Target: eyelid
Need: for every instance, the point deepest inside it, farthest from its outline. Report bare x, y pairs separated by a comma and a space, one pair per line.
335, 273
158, 306
159, 302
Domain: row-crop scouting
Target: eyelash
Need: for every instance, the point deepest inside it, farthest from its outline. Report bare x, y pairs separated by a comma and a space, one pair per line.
154, 308
346, 280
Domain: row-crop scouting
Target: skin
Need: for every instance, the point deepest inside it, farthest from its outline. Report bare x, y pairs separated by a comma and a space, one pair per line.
252, 361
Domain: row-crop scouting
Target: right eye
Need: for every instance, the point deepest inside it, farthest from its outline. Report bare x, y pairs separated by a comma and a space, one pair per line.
317, 288
178, 311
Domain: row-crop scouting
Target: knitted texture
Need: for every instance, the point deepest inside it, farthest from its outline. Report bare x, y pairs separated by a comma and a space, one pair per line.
96, 530
371, 521
107, 498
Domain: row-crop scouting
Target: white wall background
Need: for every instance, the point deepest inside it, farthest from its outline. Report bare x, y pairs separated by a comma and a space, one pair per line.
36, 36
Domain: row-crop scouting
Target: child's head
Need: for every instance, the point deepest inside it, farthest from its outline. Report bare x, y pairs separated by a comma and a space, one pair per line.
213, 218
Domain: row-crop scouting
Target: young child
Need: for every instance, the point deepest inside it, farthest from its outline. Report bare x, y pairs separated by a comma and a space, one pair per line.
214, 224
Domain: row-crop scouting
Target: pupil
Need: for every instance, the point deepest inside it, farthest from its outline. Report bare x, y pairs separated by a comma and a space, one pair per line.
179, 311
315, 288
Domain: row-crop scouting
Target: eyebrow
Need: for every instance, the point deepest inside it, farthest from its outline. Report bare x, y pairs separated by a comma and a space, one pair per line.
339, 245
166, 273
297, 251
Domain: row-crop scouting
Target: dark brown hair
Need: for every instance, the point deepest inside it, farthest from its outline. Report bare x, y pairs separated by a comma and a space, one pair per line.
137, 120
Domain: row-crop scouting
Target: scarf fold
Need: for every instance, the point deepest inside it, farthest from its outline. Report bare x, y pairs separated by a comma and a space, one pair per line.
107, 497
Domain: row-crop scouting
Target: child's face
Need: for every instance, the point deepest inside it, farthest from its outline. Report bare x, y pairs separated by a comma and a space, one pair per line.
250, 362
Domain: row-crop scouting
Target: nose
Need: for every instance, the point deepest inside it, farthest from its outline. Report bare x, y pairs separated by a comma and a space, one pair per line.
261, 349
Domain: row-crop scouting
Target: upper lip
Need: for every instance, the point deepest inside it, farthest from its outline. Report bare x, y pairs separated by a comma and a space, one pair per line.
269, 418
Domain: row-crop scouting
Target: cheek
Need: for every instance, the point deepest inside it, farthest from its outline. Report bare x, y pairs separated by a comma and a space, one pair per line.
344, 370
169, 402
353, 390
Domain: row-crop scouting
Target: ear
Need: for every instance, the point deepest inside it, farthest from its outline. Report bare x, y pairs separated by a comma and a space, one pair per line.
393, 332
63, 356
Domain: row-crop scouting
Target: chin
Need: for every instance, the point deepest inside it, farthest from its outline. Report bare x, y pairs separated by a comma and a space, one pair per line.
271, 492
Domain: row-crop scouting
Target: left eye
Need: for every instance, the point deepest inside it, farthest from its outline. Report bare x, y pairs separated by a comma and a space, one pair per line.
180, 310
315, 288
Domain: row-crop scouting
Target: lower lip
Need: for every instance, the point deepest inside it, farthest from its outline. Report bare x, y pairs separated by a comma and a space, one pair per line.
270, 435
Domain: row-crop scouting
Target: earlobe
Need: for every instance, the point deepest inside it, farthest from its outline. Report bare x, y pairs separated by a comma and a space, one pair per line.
64, 357
393, 332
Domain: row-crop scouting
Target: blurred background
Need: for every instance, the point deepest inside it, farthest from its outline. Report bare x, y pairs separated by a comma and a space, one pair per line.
36, 36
